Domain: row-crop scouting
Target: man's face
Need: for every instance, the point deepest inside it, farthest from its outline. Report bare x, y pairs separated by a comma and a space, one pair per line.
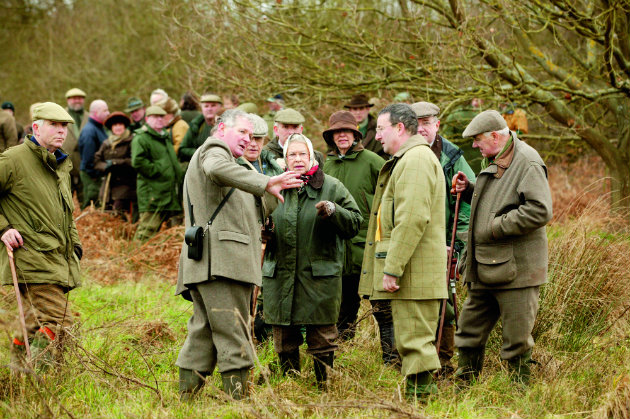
210, 110
137, 115
76, 103
428, 127
388, 134
284, 130
360, 113
238, 136
487, 143
343, 139
254, 148
274, 106
156, 122
100, 114
51, 134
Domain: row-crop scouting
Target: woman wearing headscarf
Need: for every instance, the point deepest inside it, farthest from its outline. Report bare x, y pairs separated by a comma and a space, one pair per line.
113, 158
302, 273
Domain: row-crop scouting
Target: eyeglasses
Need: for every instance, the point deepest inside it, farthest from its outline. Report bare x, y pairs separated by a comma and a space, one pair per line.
293, 156
380, 129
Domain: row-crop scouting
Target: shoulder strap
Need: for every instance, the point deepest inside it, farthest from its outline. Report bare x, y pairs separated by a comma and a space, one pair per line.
216, 211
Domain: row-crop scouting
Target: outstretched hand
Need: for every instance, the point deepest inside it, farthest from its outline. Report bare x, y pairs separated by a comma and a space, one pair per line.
286, 180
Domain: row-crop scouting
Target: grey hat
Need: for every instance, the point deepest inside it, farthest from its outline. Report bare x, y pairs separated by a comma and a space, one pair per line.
261, 129
289, 116
424, 109
486, 121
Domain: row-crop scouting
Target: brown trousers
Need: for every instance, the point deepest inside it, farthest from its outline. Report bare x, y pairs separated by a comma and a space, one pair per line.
319, 338
45, 305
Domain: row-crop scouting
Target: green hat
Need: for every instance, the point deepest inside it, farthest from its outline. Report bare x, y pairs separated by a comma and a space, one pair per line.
211, 98
133, 104
155, 110
402, 96
486, 121
75, 92
248, 107
424, 109
50, 111
289, 116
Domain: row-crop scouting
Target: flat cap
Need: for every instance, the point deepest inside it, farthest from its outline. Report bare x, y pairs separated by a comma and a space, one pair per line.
155, 110
133, 104
424, 109
75, 92
486, 121
289, 116
261, 129
211, 98
50, 111
248, 107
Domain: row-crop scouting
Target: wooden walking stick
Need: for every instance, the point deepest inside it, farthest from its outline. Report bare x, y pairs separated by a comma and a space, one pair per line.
449, 262
106, 191
18, 297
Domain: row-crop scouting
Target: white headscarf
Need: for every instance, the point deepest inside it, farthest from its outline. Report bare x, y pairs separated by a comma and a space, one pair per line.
300, 138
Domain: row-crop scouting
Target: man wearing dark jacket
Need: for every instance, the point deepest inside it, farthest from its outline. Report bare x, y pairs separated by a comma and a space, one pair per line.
90, 140
360, 108
200, 127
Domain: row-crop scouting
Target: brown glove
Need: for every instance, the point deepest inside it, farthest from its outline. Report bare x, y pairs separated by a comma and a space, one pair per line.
325, 209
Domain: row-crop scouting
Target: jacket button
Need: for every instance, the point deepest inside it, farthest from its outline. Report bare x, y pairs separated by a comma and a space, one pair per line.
376, 213
370, 243
494, 261
381, 185
475, 194
364, 272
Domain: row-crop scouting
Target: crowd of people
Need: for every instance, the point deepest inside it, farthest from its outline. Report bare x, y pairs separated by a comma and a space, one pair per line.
373, 218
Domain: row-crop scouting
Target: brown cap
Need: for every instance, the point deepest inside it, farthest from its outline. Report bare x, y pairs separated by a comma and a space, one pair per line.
341, 120
117, 118
358, 101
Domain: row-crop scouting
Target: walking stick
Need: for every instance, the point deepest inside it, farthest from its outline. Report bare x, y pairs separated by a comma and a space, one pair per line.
18, 297
450, 283
106, 191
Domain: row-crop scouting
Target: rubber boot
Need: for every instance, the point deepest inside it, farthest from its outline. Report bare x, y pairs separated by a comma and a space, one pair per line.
235, 383
190, 382
290, 362
320, 363
520, 369
383, 316
447, 350
41, 349
470, 364
420, 386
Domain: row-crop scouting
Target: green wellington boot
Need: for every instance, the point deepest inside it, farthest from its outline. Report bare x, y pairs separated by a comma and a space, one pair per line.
470, 364
190, 382
235, 383
420, 386
320, 363
520, 368
290, 362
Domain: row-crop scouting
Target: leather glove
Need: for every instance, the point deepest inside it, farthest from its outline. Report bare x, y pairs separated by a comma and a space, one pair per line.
325, 209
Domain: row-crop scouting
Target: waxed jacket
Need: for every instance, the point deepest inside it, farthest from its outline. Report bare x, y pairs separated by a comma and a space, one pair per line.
410, 197
159, 172
198, 132
36, 200
302, 272
90, 140
358, 171
507, 243
122, 181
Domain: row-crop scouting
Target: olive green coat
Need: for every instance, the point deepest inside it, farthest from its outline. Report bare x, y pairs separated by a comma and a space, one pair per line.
35, 199
410, 194
159, 172
302, 275
198, 132
358, 171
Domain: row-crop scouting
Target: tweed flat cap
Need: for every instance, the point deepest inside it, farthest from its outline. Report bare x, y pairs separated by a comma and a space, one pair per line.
289, 116
211, 98
50, 111
424, 109
486, 121
261, 129
155, 110
74, 93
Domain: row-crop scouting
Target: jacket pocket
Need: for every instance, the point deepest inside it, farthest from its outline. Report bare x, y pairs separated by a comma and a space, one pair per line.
234, 236
495, 263
380, 254
326, 267
269, 268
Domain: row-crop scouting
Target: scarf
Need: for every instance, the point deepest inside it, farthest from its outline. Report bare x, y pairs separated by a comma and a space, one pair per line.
115, 139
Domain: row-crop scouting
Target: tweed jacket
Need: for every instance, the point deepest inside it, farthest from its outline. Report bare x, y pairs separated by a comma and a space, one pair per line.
232, 244
410, 196
507, 243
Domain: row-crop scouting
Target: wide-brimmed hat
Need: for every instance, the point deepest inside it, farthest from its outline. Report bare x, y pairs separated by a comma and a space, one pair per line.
358, 101
133, 104
486, 121
117, 118
50, 111
341, 120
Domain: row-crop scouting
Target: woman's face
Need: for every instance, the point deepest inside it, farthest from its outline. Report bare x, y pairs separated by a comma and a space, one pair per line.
118, 129
298, 158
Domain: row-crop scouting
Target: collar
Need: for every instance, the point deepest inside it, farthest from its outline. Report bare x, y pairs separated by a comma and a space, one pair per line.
505, 158
59, 154
436, 146
413, 141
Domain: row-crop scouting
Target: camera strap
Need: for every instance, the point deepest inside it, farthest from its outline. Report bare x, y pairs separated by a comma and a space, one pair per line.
216, 211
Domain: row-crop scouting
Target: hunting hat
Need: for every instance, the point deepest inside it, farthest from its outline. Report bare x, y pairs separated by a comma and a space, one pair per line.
424, 109
170, 106
8, 105
50, 111
358, 101
261, 129
155, 110
341, 120
133, 104
117, 118
289, 116
211, 98
486, 121
74, 92
248, 107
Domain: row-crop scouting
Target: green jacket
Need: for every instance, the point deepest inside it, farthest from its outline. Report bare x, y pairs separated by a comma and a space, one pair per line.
410, 195
452, 161
266, 159
302, 275
36, 200
358, 171
159, 172
198, 132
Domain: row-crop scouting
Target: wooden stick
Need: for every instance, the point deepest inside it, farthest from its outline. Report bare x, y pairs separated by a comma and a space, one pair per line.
18, 297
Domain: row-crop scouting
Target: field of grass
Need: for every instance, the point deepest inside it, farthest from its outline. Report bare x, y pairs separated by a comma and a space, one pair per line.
120, 359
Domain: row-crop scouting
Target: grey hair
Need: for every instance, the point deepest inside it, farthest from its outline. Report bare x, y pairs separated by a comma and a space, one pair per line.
39, 123
230, 116
504, 131
401, 112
